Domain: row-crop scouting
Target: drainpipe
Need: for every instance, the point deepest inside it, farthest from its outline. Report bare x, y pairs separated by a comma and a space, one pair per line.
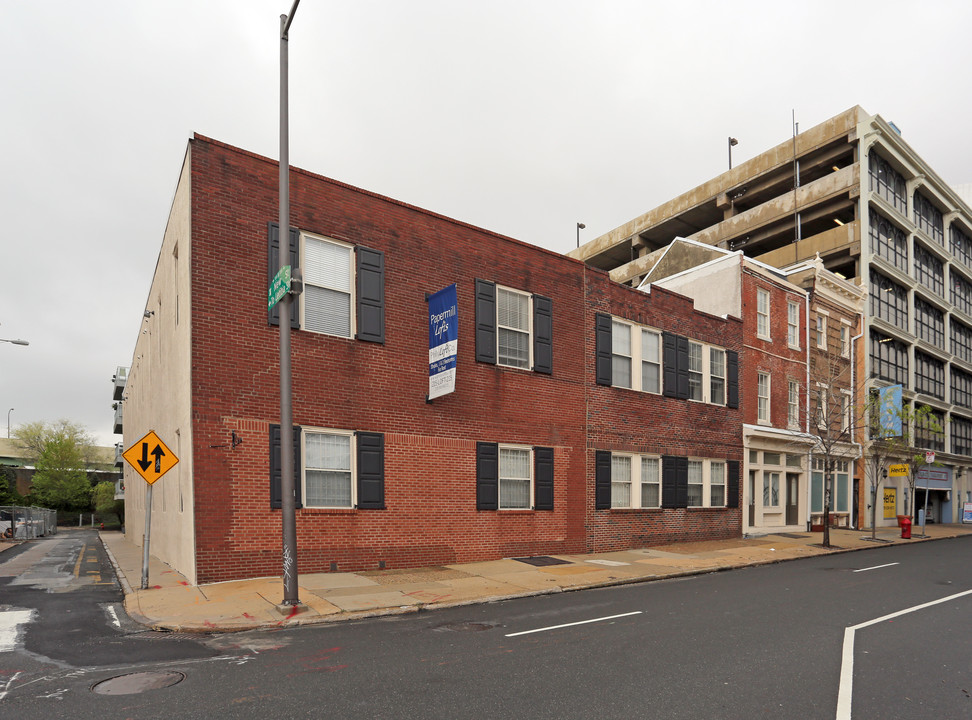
860, 447
806, 420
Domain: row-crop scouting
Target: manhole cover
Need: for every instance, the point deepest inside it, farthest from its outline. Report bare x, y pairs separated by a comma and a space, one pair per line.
137, 682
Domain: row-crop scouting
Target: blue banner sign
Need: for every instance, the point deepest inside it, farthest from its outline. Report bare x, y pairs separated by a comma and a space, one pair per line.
889, 400
443, 341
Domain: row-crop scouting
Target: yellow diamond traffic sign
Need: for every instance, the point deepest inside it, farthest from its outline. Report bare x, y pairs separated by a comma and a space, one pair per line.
150, 457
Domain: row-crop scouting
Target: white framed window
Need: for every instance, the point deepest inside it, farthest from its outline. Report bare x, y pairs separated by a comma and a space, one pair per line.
695, 371
328, 297
821, 333
635, 357
793, 324
844, 339
695, 483
513, 328
515, 477
771, 489
763, 397
650, 361
717, 376
650, 482
793, 404
621, 481
845, 410
328, 468
621, 354
763, 313
635, 481
717, 484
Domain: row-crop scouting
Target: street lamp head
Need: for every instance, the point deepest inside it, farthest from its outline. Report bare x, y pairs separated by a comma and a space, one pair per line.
581, 226
15, 342
733, 141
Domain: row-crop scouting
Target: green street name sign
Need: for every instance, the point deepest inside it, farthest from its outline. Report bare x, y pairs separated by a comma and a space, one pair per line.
279, 286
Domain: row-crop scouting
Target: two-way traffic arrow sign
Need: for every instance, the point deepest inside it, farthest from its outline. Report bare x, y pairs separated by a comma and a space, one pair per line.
138, 457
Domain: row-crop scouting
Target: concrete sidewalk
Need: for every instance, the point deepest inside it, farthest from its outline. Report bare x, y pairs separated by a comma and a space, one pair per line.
172, 603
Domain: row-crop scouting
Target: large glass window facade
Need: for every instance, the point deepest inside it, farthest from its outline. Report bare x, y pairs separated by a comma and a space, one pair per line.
889, 301
928, 218
961, 245
889, 358
888, 241
926, 434
887, 182
961, 435
961, 295
961, 336
929, 375
929, 323
961, 388
929, 270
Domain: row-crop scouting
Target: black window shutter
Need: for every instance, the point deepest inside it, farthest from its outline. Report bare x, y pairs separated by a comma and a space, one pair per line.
542, 334
682, 350
732, 381
485, 321
602, 349
371, 471
487, 476
669, 482
543, 478
371, 295
732, 484
681, 482
669, 364
273, 247
602, 480
276, 498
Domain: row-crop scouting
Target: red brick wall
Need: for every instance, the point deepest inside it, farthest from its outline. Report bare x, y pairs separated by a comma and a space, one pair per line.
430, 449
625, 420
772, 356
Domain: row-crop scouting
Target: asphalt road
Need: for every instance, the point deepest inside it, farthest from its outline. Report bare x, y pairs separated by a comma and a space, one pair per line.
753, 643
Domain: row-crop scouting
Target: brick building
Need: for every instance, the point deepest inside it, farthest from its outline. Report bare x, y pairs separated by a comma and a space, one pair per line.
519, 460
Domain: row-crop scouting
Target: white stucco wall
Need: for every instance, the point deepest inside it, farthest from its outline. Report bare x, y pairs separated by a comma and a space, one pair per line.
158, 395
716, 287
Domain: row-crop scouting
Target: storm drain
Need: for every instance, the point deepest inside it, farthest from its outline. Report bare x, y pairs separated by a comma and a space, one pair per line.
134, 683
542, 560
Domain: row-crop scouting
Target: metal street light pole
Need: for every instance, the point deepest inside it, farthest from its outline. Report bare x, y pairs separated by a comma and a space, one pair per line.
288, 505
732, 141
580, 226
8, 422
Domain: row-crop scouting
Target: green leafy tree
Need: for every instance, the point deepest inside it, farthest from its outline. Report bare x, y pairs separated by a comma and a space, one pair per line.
103, 500
61, 452
8, 488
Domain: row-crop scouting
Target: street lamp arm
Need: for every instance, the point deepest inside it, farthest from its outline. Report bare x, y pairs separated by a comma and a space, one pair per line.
288, 19
15, 342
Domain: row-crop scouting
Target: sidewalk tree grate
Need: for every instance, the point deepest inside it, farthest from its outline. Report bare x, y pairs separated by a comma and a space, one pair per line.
542, 560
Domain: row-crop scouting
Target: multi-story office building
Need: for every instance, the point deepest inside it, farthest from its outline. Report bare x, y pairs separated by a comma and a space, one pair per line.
853, 192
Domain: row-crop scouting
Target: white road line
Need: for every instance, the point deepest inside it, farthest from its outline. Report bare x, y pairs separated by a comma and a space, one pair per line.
10, 622
876, 567
846, 690
114, 616
6, 688
581, 622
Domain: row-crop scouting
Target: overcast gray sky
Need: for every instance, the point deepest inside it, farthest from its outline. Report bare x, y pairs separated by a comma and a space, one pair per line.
524, 117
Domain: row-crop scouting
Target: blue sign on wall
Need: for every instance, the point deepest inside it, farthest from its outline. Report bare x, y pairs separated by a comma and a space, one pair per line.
443, 341
889, 399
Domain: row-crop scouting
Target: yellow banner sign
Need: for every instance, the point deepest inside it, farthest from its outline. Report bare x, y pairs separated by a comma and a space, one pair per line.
890, 502
898, 470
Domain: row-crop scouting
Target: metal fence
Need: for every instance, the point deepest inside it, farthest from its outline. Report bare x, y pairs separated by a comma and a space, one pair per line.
24, 523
